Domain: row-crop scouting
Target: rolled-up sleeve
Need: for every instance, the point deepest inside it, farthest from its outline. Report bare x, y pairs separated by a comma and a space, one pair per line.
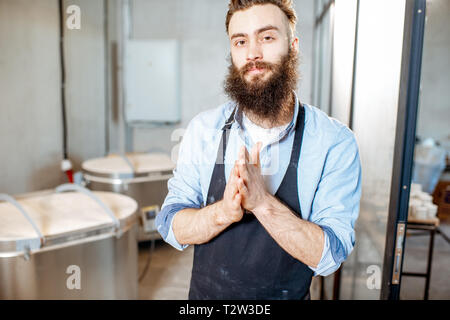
184, 188
336, 203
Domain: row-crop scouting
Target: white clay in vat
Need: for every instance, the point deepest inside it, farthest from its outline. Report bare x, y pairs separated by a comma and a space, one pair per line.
62, 213
142, 162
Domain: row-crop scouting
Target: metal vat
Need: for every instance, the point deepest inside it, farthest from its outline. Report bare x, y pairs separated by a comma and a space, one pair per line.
75, 245
141, 176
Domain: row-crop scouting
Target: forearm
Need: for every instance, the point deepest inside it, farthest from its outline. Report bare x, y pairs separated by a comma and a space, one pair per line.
302, 239
197, 226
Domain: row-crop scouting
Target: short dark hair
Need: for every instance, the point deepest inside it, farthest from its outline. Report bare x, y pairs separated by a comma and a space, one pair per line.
285, 5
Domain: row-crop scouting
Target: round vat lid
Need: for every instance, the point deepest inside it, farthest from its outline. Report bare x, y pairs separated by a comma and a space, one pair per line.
137, 164
63, 218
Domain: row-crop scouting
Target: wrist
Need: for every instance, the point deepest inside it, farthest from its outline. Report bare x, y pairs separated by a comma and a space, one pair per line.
219, 217
265, 206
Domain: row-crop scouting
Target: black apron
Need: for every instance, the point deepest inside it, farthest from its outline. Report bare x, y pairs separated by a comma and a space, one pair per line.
244, 261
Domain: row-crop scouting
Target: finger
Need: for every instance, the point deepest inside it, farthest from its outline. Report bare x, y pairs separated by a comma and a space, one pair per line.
237, 201
247, 156
242, 187
255, 154
237, 173
231, 188
234, 189
243, 155
234, 174
243, 171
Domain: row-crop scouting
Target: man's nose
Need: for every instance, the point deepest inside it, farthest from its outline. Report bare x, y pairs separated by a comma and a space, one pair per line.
254, 51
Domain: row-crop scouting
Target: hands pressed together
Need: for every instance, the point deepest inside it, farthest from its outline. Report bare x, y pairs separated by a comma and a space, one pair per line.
245, 189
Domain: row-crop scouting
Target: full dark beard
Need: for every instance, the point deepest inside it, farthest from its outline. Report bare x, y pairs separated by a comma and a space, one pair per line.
264, 99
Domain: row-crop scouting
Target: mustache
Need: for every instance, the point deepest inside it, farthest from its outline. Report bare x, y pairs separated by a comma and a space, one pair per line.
257, 64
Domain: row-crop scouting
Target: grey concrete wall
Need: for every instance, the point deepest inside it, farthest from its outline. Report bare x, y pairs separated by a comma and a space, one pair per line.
30, 100
85, 83
199, 25
30, 112
434, 109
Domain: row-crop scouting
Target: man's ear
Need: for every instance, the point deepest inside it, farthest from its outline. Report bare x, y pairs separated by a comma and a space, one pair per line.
295, 44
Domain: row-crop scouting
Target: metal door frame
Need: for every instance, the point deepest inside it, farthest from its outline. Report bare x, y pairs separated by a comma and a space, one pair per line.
404, 147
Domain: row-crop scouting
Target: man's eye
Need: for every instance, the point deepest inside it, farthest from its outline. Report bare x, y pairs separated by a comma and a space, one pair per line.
240, 43
268, 38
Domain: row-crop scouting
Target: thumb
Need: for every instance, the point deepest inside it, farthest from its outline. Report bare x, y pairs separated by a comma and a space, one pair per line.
255, 154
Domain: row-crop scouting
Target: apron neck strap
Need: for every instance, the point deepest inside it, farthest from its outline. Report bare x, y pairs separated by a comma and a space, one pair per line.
298, 138
230, 121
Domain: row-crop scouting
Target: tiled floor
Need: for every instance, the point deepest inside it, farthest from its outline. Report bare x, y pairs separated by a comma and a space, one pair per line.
169, 273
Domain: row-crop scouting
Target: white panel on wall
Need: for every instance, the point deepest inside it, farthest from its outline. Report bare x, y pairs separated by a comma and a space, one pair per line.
343, 57
152, 89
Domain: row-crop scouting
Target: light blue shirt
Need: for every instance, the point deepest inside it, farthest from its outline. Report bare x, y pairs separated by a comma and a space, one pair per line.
329, 174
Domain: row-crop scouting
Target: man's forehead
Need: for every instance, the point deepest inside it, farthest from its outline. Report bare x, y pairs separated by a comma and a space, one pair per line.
256, 17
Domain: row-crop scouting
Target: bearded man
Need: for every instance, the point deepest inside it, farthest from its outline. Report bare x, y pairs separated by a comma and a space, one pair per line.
267, 188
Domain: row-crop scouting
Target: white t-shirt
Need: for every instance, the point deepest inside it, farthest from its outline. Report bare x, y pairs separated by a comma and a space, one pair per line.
260, 134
